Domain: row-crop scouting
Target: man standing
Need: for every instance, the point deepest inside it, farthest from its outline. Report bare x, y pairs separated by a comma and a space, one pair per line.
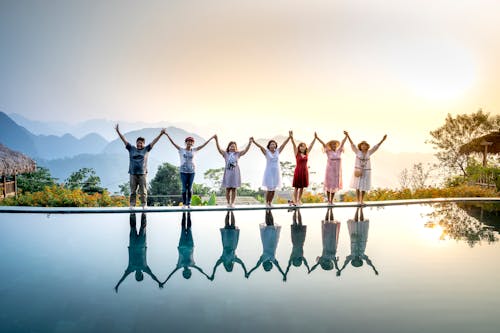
137, 169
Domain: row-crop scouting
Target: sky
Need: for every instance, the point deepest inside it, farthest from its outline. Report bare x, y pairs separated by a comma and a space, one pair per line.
254, 68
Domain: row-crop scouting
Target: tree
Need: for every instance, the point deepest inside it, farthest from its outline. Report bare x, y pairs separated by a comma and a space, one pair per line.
165, 187
287, 170
457, 131
419, 176
84, 179
125, 189
215, 177
35, 181
404, 179
201, 189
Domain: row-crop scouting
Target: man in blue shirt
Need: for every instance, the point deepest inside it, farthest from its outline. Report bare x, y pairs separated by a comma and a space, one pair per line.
138, 164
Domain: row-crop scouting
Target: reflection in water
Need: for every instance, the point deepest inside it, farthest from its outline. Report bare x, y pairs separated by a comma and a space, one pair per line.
358, 231
137, 252
230, 235
298, 233
186, 249
457, 224
330, 237
269, 235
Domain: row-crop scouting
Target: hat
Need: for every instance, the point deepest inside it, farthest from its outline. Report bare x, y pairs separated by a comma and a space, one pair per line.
189, 138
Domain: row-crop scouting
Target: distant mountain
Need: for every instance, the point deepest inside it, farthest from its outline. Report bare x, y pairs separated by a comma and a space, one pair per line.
51, 146
41, 127
47, 146
16, 137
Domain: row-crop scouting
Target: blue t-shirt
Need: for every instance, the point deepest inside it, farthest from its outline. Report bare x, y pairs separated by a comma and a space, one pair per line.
138, 159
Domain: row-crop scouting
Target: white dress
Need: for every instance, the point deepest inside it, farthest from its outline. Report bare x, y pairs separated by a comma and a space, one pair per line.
269, 235
358, 231
272, 173
364, 182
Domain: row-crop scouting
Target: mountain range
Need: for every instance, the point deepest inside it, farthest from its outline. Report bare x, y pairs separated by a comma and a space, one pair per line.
66, 153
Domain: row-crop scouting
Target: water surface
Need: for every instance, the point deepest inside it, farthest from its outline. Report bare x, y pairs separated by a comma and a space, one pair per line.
411, 268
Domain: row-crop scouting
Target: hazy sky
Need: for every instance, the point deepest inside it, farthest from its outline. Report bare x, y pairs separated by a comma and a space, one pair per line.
242, 68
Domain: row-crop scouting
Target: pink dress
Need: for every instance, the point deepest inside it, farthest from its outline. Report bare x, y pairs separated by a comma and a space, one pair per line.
333, 173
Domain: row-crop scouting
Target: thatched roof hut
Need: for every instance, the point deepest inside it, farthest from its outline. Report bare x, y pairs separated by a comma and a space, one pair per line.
486, 144
13, 162
492, 141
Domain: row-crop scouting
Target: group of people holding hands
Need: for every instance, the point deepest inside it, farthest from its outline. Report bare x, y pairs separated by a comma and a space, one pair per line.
269, 232
333, 149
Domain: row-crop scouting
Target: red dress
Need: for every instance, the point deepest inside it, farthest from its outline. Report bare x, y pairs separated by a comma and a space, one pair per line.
301, 174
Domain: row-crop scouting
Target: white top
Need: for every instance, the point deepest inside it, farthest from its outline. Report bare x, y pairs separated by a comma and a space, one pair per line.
272, 173
187, 160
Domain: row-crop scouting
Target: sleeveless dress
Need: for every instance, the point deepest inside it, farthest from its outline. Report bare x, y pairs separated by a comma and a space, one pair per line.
232, 177
272, 173
301, 174
333, 173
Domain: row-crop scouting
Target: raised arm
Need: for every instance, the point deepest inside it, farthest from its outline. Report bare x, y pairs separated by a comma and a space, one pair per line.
256, 266
215, 269
369, 262
311, 145
353, 146
347, 261
117, 128
217, 145
244, 151
239, 261
320, 141
279, 268
295, 151
374, 149
170, 275
201, 271
343, 142
125, 274
150, 273
313, 268
155, 140
262, 149
172, 141
280, 149
306, 264
204, 143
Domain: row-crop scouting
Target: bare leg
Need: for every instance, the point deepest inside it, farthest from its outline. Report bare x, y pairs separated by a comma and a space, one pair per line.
295, 195
363, 196
299, 196
358, 196
228, 196
233, 197
270, 197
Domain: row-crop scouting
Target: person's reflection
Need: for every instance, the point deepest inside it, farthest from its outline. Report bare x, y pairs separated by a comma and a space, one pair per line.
186, 249
230, 235
269, 235
137, 252
358, 231
298, 233
330, 237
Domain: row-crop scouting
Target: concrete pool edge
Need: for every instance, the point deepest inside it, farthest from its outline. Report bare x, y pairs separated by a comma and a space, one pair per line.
161, 209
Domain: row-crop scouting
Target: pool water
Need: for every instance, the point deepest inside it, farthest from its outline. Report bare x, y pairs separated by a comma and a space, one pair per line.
417, 268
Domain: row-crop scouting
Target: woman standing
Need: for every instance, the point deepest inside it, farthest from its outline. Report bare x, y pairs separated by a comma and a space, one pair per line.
362, 178
301, 173
272, 173
187, 166
232, 177
333, 174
